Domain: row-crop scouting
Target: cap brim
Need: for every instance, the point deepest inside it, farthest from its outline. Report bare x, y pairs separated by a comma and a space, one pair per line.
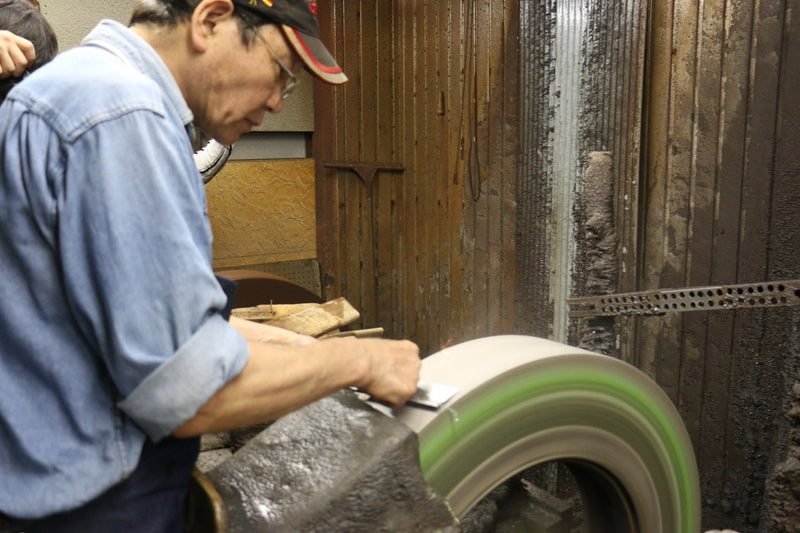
316, 57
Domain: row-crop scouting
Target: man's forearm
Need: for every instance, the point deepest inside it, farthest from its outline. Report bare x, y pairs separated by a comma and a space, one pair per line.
264, 333
276, 380
279, 379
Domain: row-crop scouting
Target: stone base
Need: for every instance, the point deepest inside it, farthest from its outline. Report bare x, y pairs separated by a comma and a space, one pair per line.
337, 465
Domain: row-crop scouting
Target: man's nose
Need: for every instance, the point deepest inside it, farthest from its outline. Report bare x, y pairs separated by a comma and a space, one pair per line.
275, 102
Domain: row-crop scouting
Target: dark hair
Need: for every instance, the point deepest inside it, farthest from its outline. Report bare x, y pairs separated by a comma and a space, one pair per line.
22, 18
173, 12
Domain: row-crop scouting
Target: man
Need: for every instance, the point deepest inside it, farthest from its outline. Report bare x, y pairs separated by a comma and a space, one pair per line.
115, 354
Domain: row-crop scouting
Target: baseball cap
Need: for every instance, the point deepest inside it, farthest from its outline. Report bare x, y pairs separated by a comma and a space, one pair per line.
298, 21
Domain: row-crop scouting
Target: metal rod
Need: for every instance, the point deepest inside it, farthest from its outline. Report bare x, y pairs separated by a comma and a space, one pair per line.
712, 298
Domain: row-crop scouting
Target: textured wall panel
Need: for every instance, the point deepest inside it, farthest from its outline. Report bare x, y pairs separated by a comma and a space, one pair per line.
262, 211
72, 20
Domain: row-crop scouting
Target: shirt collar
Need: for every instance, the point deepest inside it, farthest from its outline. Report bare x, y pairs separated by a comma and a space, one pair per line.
134, 50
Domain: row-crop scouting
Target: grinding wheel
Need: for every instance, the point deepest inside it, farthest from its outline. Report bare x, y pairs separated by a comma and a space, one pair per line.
525, 401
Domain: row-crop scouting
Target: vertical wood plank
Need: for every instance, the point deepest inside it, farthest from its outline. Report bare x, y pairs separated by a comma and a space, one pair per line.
440, 140
406, 56
461, 300
477, 214
387, 302
492, 101
628, 154
629, 163
371, 245
352, 269
429, 176
694, 352
721, 354
326, 148
509, 122
422, 189
658, 113
679, 169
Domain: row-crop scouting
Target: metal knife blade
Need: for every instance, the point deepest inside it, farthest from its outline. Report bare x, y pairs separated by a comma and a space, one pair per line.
432, 395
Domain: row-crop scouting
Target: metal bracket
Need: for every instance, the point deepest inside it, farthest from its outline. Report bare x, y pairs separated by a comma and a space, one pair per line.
712, 298
365, 170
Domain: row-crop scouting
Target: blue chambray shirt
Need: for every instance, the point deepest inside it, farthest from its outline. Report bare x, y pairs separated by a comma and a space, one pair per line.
110, 324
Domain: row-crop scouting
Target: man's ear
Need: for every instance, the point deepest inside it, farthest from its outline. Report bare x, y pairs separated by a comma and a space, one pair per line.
205, 20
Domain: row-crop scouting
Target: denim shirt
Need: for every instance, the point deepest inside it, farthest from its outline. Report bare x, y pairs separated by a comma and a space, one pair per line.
110, 315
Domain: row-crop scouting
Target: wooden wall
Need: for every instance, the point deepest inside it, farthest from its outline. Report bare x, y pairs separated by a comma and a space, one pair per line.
433, 87
720, 201
710, 198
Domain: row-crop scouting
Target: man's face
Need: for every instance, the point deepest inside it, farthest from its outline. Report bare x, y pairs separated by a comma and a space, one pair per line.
244, 82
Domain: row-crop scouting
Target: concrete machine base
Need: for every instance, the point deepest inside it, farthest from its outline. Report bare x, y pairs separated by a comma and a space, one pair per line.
342, 465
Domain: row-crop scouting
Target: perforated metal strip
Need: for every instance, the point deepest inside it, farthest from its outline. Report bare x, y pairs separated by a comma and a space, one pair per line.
714, 298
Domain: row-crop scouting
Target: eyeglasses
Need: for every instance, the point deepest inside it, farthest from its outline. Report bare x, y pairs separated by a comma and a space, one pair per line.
289, 79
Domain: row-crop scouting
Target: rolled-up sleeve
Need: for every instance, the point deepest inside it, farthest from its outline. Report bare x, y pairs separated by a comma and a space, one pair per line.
112, 326
135, 244
170, 395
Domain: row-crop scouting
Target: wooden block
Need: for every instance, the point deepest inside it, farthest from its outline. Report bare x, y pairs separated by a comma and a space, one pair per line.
314, 321
307, 319
343, 309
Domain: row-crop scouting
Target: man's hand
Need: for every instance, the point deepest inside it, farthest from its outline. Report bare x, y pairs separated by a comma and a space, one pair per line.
16, 54
394, 371
391, 366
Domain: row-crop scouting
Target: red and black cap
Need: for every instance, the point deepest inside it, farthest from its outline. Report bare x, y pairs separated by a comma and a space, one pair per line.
298, 21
